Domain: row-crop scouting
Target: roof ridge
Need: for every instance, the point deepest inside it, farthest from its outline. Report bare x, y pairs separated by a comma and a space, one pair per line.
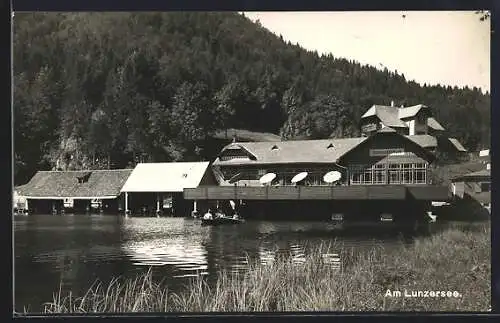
83, 170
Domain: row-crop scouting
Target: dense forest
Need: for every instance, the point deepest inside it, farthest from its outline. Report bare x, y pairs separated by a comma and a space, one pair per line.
98, 90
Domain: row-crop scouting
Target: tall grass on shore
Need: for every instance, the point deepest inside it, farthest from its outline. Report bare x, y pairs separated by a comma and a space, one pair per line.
452, 260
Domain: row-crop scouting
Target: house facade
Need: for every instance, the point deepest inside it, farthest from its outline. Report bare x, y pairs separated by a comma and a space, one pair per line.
417, 123
384, 158
383, 172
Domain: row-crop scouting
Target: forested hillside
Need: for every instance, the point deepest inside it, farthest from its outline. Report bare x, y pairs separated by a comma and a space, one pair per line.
109, 89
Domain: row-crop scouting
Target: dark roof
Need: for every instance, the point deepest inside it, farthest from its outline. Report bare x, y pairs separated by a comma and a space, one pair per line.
293, 151
426, 141
100, 183
392, 116
479, 175
299, 151
245, 135
457, 144
432, 123
387, 115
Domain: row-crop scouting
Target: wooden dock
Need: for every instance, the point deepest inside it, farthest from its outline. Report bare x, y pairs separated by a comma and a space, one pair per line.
353, 192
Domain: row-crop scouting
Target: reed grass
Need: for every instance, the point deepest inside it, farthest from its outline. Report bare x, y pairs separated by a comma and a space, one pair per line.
453, 260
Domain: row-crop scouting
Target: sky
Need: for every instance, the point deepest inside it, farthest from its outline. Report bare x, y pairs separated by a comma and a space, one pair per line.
433, 47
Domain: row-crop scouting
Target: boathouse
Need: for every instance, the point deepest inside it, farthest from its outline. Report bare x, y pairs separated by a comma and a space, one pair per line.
18, 201
386, 170
74, 191
157, 188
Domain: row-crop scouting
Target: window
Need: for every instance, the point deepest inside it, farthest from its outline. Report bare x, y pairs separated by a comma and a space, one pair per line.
394, 173
420, 173
356, 177
485, 186
355, 174
385, 152
367, 176
379, 175
421, 118
407, 174
261, 172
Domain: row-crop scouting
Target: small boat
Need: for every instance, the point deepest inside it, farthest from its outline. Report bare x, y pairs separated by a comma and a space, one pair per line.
386, 217
432, 218
221, 219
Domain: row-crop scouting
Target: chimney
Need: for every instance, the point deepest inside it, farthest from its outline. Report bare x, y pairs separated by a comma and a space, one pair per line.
392, 103
234, 138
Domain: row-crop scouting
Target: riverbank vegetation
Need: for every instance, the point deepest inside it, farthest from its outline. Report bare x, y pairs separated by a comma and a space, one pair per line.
455, 260
106, 90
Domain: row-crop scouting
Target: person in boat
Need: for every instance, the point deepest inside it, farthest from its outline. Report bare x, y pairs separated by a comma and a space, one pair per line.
208, 215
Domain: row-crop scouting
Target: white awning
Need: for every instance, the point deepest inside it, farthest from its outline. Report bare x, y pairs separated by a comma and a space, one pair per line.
165, 177
70, 197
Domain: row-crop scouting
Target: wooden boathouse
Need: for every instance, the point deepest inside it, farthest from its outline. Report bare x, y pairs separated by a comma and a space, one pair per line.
157, 188
383, 172
74, 191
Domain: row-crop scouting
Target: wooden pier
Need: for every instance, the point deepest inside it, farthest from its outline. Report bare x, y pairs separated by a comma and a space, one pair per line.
353, 192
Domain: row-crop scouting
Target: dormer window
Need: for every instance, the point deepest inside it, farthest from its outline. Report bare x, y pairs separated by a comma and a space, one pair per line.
83, 178
274, 147
330, 146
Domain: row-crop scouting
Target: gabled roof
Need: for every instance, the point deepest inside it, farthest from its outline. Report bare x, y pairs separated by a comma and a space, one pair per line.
294, 151
391, 116
165, 177
408, 112
387, 115
432, 123
483, 174
387, 131
425, 141
65, 184
457, 144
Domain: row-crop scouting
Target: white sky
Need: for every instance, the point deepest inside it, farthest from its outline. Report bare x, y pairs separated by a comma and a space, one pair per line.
433, 47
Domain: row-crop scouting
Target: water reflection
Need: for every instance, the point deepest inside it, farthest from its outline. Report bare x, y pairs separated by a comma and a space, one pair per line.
175, 243
77, 249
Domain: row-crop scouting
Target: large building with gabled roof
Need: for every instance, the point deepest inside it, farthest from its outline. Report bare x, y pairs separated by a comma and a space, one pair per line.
384, 158
417, 122
384, 172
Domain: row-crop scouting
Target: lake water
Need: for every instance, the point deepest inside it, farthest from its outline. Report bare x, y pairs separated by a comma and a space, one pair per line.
72, 251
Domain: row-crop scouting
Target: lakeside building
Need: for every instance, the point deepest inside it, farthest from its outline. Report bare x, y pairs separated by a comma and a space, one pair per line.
78, 191
156, 188
418, 123
386, 170
384, 158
